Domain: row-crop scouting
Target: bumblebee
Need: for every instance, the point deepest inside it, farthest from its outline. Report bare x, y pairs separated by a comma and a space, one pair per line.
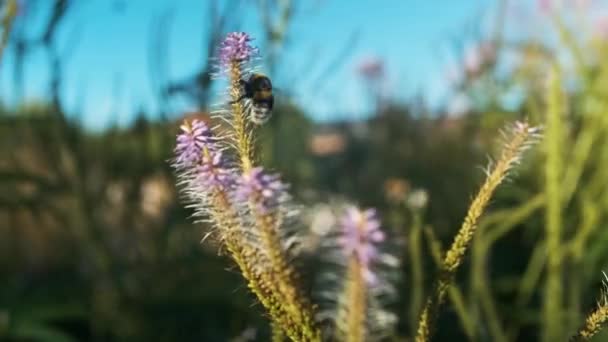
257, 91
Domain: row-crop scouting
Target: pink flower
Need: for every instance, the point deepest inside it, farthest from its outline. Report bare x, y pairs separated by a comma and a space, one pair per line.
194, 137
545, 5
600, 29
265, 190
360, 236
371, 67
236, 47
479, 57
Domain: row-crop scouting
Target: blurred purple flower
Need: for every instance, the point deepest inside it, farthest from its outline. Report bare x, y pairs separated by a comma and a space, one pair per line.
213, 173
371, 67
266, 191
360, 235
545, 5
600, 30
472, 61
236, 47
478, 57
195, 137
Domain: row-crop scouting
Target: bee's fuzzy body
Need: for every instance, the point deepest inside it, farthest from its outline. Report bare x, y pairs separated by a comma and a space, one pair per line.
257, 92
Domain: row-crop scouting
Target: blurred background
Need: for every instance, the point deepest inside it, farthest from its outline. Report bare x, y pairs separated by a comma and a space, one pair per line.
391, 104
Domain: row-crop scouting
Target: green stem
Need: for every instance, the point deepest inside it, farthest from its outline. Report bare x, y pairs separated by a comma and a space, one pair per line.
552, 304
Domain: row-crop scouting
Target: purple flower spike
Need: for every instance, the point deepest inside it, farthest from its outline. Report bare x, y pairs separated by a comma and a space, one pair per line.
360, 236
195, 137
236, 47
371, 68
265, 190
212, 173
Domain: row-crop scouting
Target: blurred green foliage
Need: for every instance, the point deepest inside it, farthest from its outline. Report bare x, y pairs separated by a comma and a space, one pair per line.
94, 243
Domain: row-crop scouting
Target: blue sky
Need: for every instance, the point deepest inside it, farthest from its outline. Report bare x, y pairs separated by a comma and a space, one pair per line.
108, 76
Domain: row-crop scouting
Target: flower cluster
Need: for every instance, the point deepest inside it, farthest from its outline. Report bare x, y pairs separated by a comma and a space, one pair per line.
191, 142
248, 209
199, 159
213, 173
236, 47
365, 286
360, 236
265, 190
252, 212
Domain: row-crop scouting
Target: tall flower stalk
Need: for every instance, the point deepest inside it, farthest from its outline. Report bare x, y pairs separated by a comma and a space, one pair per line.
263, 200
235, 52
518, 139
360, 316
596, 319
553, 302
248, 209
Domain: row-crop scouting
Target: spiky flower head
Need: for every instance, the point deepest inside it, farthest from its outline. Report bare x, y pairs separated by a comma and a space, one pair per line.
195, 136
213, 172
265, 190
236, 47
359, 237
200, 163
